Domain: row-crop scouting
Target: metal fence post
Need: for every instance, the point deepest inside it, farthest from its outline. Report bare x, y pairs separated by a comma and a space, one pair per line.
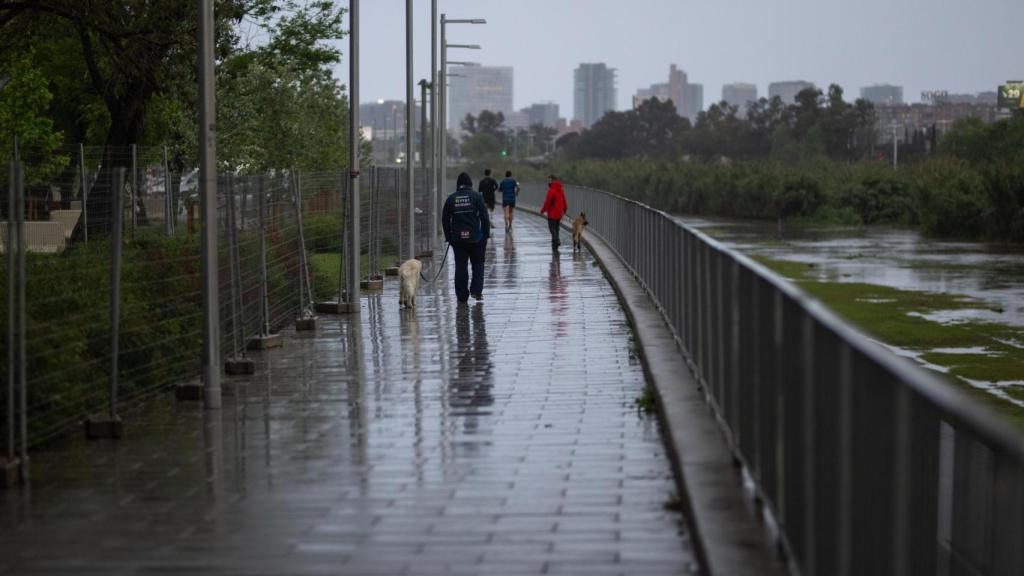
169, 211
110, 426
11, 464
11, 358
22, 324
238, 363
133, 190
306, 320
265, 339
84, 193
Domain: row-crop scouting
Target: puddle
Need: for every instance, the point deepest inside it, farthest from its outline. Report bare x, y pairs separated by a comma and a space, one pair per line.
979, 350
1001, 389
961, 316
913, 355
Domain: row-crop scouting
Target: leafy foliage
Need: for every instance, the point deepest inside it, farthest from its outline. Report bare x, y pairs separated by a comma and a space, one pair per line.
24, 99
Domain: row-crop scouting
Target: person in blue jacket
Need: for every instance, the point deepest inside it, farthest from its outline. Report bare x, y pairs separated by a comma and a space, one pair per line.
467, 227
509, 192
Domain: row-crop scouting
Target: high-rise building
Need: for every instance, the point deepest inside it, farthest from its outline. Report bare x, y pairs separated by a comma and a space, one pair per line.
478, 88
787, 91
383, 124
595, 92
688, 98
543, 113
739, 94
657, 91
693, 101
886, 94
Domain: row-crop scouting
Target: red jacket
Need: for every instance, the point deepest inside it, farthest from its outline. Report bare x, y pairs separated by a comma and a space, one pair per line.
555, 205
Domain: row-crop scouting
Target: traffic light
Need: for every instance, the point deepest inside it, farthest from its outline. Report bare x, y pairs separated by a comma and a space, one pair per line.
504, 153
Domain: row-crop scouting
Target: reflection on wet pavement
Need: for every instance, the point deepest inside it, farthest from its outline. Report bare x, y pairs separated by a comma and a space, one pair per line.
494, 438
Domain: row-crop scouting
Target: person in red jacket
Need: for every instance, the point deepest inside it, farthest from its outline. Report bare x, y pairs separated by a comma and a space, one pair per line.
555, 207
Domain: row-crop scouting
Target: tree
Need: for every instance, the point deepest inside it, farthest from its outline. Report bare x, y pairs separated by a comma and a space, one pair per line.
653, 130
541, 137
131, 51
482, 147
24, 99
279, 105
488, 122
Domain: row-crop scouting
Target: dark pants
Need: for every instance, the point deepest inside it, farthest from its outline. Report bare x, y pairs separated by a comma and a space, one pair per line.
553, 226
465, 253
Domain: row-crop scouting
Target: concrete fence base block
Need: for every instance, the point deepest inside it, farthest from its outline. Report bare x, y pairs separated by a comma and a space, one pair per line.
10, 473
268, 341
337, 307
98, 427
428, 253
305, 324
189, 392
239, 367
393, 271
376, 283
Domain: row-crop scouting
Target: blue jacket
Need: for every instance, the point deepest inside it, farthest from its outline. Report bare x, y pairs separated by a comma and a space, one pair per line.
465, 218
508, 189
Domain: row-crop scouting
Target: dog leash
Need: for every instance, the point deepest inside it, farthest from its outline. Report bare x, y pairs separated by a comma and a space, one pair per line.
440, 268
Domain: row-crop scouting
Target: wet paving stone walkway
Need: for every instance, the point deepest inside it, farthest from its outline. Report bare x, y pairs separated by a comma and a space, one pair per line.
491, 438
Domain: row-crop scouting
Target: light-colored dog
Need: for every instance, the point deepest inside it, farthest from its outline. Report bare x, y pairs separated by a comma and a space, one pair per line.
409, 276
577, 231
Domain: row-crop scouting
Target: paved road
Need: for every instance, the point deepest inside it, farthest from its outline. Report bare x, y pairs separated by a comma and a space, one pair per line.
494, 438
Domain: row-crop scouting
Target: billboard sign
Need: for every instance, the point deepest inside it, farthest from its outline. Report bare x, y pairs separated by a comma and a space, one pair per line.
1011, 95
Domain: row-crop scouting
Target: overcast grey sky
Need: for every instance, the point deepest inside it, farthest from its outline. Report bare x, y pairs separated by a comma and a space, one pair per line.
955, 45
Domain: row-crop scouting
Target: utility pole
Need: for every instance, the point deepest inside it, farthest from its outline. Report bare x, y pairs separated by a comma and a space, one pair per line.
208, 207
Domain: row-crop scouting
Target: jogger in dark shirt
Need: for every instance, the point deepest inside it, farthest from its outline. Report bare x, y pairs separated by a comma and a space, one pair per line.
488, 186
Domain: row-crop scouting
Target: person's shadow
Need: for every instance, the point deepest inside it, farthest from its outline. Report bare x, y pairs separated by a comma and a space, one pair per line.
470, 391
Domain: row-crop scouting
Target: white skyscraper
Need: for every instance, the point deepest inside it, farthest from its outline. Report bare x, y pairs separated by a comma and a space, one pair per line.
595, 92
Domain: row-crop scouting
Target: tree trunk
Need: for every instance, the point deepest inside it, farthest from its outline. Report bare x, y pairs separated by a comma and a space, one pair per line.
126, 124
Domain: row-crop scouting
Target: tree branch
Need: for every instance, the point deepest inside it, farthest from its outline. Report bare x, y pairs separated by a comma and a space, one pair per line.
98, 82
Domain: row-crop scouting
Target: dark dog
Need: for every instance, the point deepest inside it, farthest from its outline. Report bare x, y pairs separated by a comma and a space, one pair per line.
577, 231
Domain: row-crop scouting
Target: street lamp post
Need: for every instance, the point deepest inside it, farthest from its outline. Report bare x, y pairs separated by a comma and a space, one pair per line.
353, 258
410, 166
441, 96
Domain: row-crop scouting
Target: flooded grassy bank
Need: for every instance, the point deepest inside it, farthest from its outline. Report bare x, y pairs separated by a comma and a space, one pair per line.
954, 308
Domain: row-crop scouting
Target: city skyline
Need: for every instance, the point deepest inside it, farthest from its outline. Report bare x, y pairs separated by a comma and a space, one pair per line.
742, 42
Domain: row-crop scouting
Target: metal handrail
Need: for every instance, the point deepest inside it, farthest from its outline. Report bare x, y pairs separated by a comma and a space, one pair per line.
867, 462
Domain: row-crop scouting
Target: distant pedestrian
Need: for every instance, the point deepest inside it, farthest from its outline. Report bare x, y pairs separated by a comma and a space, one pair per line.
509, 193
554, 208
467, 228
488, 186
